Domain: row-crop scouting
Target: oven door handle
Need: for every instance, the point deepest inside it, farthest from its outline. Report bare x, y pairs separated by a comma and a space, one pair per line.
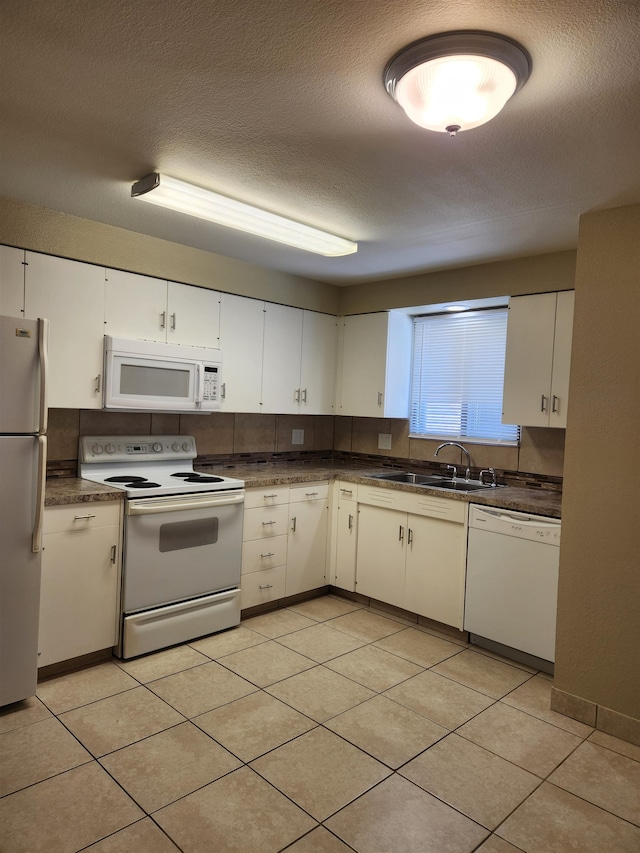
154, 505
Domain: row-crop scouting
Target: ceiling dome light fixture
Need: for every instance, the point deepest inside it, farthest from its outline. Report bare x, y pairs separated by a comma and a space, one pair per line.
458, 80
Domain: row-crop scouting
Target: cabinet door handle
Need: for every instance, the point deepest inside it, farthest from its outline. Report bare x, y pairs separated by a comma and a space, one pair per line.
304, 395
554, 404
82, 517
293, 524
265, 556
379, 398
266, 586
98, 383
296, 395
163, 319
543, 403
267, 523
400, 533
223, 390
410, 537
173, 322
350, 522
114, 551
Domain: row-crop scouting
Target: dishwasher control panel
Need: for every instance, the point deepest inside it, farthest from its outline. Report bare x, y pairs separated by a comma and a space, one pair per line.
535, 528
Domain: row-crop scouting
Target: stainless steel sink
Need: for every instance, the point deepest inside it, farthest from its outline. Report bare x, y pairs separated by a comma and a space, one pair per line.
433, 481
414, 479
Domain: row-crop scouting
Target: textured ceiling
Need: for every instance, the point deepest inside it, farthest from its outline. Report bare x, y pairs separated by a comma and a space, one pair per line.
281, 104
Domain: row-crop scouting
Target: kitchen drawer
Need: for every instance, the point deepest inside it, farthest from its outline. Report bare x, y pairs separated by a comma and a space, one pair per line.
265, 522
309, 492
258, 554
266, 496
425, 504
346, 491
61, 519
261, 587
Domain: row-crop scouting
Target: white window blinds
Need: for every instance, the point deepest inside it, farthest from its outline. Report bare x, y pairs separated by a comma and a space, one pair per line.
457, 377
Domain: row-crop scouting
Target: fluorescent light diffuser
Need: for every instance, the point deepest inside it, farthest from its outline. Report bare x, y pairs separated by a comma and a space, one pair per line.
205, 204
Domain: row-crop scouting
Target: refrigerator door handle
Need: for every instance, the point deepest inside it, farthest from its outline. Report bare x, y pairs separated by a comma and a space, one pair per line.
36, 542
43, 355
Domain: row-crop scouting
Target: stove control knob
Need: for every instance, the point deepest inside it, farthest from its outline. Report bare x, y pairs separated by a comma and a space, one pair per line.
157, 447
97, 449
110, 448
175, 446
186, 446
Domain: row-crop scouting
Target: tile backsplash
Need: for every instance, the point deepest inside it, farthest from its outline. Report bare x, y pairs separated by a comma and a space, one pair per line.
541, 451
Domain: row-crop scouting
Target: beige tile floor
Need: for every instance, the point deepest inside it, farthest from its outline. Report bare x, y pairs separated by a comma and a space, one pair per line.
324, 727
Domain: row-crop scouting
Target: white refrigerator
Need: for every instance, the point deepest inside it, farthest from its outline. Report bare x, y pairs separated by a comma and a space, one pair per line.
23, 461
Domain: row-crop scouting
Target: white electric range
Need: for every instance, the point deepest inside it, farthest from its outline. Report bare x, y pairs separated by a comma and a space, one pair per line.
182, 545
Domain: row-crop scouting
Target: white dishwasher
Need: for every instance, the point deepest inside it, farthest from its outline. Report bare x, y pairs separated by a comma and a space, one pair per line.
512, 583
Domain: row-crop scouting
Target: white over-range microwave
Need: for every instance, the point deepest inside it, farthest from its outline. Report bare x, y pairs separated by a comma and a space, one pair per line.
157, 377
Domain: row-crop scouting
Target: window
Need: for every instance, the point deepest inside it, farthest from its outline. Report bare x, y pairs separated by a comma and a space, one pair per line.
457, 375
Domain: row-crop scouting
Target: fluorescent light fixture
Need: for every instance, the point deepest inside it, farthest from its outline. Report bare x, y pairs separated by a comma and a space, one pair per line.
456, 81
454, 308
205, 204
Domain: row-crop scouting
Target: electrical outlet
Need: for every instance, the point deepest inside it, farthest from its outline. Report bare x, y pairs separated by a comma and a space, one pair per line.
297, 436
384, 441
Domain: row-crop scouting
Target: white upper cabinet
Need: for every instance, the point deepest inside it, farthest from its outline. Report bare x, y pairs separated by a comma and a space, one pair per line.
376, 363
71, 296
135, 306
11, 281
194, 315
318, 365
536, 376
241, 343
144, 308
299, 362
281, 361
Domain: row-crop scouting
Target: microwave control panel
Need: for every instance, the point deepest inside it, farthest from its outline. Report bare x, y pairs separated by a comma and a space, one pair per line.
211, 390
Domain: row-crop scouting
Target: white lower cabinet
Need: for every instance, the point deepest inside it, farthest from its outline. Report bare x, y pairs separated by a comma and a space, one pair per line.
264, 545
411, 552
79, 604
284, 544
307, 546
344, 535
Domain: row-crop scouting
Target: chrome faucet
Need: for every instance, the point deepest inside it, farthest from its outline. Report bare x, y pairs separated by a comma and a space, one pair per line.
460, 447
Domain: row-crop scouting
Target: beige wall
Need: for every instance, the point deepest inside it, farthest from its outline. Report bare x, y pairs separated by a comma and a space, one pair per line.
598, 636
538, 274
51, 232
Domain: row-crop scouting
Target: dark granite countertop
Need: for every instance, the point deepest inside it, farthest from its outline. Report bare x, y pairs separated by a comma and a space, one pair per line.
71, 490
533, 500
67, 490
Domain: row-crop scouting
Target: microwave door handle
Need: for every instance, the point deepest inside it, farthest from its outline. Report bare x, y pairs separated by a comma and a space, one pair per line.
199, 383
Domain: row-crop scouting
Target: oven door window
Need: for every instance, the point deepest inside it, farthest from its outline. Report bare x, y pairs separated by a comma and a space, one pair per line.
179, 535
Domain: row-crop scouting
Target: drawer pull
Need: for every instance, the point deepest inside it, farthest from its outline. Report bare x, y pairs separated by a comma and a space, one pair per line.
266, 586
267, 523
81, 517
311, 494
347, 491
265, 556
267, 497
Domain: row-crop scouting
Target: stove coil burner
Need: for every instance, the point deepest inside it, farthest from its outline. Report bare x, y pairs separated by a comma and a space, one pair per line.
145, 485
192, 477
133, 482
